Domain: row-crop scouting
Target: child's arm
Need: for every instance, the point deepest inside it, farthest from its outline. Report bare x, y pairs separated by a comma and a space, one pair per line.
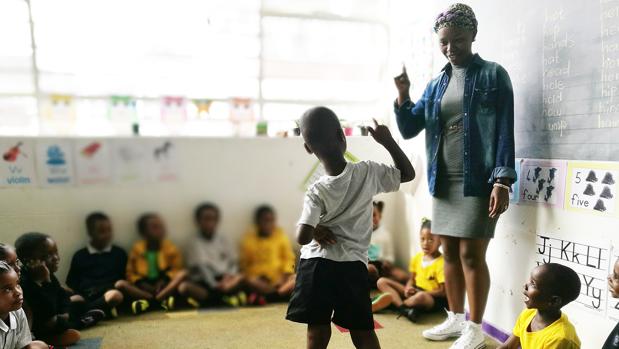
322, 235
381, 134
410, 289
512, 342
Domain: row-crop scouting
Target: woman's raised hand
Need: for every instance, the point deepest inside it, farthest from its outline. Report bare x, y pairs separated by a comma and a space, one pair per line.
403, 84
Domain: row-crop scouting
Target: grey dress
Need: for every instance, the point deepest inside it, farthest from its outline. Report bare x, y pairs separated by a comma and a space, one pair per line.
453, 213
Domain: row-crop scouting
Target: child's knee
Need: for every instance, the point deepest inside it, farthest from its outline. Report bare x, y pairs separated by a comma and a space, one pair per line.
381, 283
76, 298
121, 284
37, 345
183, 288
113, 297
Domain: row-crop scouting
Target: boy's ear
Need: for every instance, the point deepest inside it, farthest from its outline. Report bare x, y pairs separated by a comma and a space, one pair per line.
307, 148
556, 302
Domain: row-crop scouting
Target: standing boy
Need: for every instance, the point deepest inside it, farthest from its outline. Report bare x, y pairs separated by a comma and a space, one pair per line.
335, 230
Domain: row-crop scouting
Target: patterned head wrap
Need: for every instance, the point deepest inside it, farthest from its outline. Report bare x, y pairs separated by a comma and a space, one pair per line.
457, 15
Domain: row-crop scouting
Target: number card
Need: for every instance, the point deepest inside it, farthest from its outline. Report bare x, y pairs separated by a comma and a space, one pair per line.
542, 182
592, 187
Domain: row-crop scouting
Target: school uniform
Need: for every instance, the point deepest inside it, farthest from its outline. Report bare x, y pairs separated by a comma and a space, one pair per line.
268, 257
94, 272
334, 279
208, 260
15, 334
46, 301
429, 275
561, 334
150, 266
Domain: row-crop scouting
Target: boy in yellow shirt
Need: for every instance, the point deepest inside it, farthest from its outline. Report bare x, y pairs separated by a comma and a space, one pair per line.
425, 290
542, 325
266, 259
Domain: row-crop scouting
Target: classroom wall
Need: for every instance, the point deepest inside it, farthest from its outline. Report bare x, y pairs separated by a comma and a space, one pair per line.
236, 173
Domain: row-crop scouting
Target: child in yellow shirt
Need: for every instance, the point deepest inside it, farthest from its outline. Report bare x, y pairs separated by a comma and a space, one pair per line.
266, 259
542, 325
425, 290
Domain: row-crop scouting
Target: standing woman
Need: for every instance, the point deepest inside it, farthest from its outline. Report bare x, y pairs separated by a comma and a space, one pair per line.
468, 114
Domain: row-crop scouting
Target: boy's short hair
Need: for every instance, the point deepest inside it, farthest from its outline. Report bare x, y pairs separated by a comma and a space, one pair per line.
320, 127
262, 210
562, 281
143, 220
93, 218
5, 268
205, 206
27, 244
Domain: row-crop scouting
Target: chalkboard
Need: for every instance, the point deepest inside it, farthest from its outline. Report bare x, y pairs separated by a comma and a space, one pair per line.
563, 59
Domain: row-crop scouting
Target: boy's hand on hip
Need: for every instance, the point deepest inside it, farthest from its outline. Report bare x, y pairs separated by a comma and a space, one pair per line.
324, 236
381, 133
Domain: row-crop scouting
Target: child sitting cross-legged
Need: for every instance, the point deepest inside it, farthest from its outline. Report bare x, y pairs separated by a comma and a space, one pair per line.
425, 290
155, 266
542, 325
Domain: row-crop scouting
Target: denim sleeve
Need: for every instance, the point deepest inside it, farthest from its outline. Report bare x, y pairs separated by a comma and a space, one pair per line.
411, 116
504, 163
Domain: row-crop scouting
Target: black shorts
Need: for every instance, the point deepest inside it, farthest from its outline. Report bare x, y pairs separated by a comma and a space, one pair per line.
325, 288
440, 303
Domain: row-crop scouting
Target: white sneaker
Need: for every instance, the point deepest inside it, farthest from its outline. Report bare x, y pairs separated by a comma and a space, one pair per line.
450, 328
472, 337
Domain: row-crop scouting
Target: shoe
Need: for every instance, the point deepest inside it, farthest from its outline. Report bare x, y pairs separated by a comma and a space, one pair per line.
256, 299
232, 301
91, 318
381, 301
193, 302
113, 313
472, 337
450, 328
139, 306
242, 298
411, 314
168, 304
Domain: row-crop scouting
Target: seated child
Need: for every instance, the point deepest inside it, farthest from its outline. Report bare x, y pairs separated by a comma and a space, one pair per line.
14, 330
212, 262
381, 254
425, 290
542, 325
335, 230
612, 342
54, 318
267, 260
155, 265
97, 270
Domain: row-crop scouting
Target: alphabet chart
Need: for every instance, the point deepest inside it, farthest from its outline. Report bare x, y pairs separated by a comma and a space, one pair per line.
542, 182
592, 187
589, 259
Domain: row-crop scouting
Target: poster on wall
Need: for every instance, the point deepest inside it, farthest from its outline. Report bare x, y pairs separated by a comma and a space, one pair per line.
17, 164
162, 160
92, 161
514, 196
592, 187
542, 182
55, 163
129, 161
590, 259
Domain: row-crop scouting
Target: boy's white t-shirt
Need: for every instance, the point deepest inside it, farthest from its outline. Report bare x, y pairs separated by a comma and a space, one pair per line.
15, 334
343, 203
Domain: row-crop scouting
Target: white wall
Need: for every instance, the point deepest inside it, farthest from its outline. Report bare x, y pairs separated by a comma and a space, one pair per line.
237, 174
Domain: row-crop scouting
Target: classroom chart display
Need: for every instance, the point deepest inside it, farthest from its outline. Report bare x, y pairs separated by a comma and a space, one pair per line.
162, 160
592, 187
17, 163
589, 259
54, 163
129, 161
92, 161
514, 194
542, 182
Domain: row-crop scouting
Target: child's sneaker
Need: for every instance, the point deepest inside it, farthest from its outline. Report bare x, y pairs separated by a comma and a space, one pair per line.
450, 328
256, 299
139, 306
193, 302
91, 318
472, 337
411, 314
113, 313
232, 301
168, 304
242, 298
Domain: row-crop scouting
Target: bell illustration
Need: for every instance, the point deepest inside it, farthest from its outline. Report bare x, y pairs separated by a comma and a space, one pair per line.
599, 206
589, 190
608, 178
591, 177
606, 194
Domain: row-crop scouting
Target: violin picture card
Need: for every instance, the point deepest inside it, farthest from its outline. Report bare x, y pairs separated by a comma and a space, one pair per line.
17, 164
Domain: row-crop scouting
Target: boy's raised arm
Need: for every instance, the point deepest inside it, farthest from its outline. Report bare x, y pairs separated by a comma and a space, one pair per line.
381, 134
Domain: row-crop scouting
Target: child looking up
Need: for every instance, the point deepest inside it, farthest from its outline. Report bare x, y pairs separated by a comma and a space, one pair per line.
612, 342
98, 269
267, 261
155, 265
55, 318
335, 230
14, 330
425, 290
211, 260
542, 325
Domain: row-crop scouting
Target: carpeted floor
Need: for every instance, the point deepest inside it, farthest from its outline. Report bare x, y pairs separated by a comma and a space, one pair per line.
263, 327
